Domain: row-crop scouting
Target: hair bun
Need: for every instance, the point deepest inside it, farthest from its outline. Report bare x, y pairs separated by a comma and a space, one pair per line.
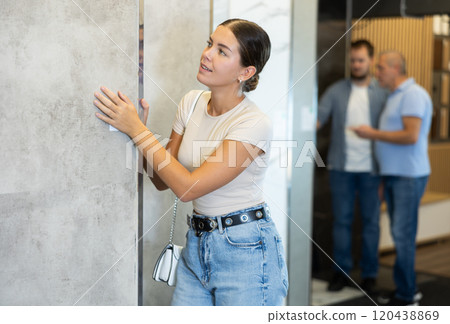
251, 83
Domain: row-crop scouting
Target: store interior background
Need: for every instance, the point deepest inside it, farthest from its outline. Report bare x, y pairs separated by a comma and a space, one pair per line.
425, 41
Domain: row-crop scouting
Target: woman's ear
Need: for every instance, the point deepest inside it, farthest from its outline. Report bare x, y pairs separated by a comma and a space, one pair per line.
247, 73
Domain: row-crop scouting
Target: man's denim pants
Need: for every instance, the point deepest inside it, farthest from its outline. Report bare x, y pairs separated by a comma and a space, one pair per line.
345, 188
403, 196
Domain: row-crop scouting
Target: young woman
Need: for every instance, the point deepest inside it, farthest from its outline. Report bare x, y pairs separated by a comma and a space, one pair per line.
218, 157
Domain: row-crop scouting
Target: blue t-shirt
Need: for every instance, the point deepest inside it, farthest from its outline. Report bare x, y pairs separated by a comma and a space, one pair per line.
411, 160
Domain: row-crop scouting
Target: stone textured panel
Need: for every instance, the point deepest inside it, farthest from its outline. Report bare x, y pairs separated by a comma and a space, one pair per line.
68, 204
175, 34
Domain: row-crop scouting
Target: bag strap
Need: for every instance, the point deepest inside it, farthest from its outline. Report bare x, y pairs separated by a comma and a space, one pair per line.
174, 218
193, 107
175, 205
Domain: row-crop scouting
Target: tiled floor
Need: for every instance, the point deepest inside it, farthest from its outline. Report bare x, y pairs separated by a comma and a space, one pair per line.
432, 258
321, 296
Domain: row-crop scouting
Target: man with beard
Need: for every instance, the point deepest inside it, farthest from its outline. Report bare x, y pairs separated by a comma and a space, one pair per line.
352, 166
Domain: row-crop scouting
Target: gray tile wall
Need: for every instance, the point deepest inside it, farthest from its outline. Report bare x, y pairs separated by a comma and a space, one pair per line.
175, 34
68, 204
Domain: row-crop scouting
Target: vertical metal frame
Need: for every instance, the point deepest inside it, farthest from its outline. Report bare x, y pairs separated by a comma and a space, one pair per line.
348, 36
303, 95
140, 240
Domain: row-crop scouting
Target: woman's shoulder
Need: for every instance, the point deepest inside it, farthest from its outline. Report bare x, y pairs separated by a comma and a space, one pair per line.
193, 93
189, 98
250, 110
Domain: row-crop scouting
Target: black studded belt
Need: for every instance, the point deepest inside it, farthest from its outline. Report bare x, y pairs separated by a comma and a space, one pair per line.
208, 224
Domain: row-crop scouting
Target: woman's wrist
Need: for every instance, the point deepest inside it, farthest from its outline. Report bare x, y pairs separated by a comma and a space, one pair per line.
140, 137
136, 132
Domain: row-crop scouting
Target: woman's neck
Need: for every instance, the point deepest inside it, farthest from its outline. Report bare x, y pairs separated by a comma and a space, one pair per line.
223, 101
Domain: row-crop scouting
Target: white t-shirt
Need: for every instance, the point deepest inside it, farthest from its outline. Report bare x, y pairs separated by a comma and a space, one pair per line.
204, 133
358, 150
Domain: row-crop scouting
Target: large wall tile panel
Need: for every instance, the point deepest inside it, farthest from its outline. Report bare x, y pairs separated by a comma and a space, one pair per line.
68, 203
175, 34
271, 95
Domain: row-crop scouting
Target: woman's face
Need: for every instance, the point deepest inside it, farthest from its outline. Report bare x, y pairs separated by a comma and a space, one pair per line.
220, 64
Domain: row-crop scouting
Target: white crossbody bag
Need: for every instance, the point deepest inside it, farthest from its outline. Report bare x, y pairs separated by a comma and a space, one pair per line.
166, 266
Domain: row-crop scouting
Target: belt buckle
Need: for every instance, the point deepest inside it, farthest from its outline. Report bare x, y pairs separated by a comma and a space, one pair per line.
199, 229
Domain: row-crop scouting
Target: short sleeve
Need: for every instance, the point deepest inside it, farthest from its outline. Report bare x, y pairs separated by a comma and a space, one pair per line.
179, 124
255, 129
415, 103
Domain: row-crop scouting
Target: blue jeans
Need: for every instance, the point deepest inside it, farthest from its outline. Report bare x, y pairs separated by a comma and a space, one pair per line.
403, 196
241, 265
345, 187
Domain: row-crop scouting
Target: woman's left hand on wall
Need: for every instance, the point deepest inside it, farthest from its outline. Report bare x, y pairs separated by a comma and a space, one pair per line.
145, 108
120, 112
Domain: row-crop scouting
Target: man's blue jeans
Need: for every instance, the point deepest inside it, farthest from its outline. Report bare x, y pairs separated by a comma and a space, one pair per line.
345, 187
403, 196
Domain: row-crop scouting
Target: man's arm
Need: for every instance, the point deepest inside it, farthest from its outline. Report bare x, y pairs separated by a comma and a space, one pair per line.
408, 135
325, 107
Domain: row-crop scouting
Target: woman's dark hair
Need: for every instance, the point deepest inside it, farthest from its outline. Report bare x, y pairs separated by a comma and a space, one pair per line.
254, 47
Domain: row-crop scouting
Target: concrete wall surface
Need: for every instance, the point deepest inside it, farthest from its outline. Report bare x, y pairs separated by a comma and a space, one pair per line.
175, 34
68, 204
271, 95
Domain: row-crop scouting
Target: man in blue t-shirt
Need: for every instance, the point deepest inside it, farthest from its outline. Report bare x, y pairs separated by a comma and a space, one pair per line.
402, 151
